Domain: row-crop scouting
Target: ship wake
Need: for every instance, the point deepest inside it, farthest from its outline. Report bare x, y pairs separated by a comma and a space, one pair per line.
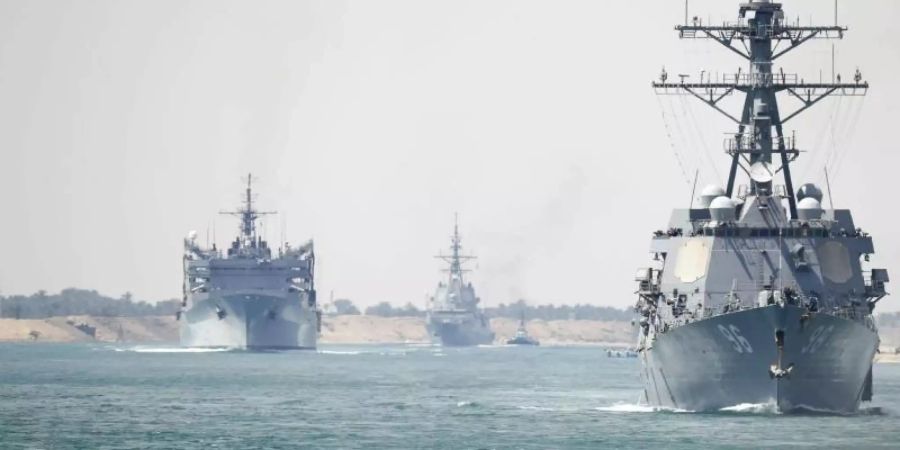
171, 350
638, 408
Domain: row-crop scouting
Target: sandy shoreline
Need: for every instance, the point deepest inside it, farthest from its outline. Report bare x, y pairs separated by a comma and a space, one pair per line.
351, 329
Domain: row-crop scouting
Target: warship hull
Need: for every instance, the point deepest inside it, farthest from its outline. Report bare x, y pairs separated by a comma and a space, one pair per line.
253, 322
727, 360
459, 333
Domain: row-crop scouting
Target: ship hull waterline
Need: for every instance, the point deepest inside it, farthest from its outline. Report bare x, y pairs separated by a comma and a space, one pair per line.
459, 333
726, 361
250, 322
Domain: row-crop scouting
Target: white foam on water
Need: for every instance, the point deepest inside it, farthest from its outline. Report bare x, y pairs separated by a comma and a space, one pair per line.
339, 352
637, 408
464, 404
171, 350
753, 408
536, 408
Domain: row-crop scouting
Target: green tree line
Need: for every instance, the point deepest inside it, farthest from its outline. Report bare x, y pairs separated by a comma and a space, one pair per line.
75, 302
512, 310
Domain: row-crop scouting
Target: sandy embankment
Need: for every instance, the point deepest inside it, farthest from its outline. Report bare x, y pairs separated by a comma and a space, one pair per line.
335, 329
569, 332
370, 329
352, 330
107, 329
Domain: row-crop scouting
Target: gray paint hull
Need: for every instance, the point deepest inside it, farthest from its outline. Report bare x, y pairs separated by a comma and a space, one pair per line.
700, 367
250, 322
459, 333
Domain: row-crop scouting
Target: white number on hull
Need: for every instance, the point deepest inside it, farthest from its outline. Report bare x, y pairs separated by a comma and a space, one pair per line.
817, 339
738, 341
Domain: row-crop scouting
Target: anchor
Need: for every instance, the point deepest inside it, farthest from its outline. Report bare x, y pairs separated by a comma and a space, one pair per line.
776, 372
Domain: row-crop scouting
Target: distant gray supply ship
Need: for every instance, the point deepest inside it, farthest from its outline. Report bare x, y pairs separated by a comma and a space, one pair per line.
453, 317
246, 298
749, 301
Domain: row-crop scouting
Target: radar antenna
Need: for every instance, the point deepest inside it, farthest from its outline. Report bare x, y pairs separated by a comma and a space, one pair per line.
248, 214
455, 259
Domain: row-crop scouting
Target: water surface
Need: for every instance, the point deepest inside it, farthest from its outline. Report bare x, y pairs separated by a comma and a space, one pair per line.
125, 396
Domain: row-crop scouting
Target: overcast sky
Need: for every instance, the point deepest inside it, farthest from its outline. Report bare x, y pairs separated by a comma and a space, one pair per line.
124, 125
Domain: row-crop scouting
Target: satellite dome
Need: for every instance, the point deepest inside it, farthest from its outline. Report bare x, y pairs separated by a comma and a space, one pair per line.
809, 190
722, 209
709, 193
809, 209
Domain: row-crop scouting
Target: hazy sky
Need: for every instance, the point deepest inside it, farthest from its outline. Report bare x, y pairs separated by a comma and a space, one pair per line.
123, 125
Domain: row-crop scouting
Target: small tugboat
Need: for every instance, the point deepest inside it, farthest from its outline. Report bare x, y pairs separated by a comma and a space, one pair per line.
522, 337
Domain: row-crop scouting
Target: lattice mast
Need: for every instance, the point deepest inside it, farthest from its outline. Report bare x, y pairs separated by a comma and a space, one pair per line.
455, 258
760, 36
248, 214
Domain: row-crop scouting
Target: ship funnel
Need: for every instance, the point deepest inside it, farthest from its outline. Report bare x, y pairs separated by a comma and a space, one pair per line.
809, 190
709, 193
809, 209
722, 209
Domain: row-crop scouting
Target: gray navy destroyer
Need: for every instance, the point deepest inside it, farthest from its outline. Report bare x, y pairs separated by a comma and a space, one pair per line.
248, 297
759, 295
453, 317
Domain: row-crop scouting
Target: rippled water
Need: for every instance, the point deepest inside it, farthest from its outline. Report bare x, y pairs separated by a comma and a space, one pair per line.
107, 396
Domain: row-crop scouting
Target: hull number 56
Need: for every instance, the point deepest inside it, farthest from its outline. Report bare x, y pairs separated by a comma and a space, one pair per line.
818, 337
739, 343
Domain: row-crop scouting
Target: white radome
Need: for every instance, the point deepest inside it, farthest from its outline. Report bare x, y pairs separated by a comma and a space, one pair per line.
809, 190
722, 209
809, 208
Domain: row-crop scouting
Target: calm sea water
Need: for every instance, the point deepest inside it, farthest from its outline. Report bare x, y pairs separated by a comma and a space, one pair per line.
116, 396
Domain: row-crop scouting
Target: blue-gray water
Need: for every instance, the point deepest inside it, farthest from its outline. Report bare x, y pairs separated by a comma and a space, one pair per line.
119, 396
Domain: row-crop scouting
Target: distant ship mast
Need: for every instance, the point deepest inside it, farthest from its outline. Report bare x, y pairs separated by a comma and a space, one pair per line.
753, 146
248, 215
455, 259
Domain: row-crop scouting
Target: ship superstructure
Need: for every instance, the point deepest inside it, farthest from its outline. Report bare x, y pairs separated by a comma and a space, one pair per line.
248, 297
453, 316
759, 295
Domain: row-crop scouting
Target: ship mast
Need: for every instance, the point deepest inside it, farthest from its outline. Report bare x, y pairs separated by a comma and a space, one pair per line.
761, 24
248, 214
455, 259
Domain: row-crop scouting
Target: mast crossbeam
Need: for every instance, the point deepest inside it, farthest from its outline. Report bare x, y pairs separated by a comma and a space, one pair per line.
808, 93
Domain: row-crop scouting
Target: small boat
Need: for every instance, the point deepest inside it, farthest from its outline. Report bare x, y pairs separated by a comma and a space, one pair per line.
621, 354
522, 337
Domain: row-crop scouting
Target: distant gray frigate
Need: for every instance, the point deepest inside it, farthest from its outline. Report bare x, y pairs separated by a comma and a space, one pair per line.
759, 295
453, 317
248, 298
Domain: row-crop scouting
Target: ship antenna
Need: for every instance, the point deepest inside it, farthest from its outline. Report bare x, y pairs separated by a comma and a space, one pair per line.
694, 189
455, 259
248, 214
754, 145
283, 229
828, 185
456, 266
